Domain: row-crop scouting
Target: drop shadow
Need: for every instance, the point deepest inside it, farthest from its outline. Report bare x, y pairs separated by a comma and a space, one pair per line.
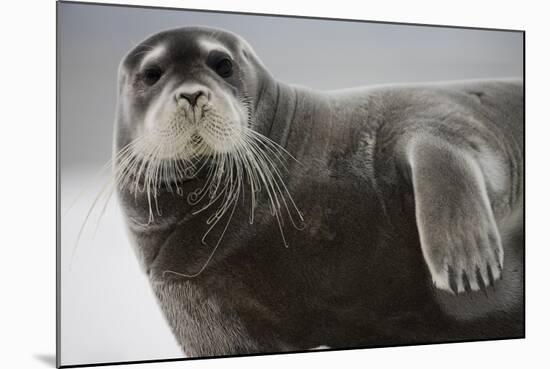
48, 359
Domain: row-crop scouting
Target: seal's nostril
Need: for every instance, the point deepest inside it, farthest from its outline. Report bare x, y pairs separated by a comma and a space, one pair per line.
191, 97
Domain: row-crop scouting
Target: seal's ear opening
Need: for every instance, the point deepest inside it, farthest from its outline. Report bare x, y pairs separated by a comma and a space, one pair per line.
244, 53
250, 56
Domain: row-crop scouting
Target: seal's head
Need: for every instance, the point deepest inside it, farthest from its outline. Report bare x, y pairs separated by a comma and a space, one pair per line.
183, 94
195, 106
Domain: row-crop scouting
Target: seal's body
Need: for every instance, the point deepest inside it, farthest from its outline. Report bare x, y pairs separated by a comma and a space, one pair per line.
411, 197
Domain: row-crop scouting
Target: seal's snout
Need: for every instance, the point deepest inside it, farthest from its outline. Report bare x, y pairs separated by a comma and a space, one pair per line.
194, 95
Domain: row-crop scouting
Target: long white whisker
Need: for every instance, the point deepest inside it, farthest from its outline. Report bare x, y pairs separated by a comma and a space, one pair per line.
106, 190
212, 253
280, 183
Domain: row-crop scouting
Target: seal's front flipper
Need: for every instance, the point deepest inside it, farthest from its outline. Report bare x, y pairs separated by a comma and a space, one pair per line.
458, 233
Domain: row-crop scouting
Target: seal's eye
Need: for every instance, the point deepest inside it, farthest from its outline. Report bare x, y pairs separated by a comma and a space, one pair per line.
224, 68
151, 75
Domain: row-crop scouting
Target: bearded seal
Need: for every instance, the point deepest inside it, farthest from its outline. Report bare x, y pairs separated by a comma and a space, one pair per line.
275, 218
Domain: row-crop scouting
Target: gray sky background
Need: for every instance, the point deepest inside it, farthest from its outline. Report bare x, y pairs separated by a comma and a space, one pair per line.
108, 312
320, 54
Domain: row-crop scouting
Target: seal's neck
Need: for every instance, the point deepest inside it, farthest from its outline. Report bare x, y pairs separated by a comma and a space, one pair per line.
275, 110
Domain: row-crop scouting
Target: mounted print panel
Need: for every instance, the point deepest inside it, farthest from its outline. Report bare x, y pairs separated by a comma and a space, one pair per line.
239, 184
